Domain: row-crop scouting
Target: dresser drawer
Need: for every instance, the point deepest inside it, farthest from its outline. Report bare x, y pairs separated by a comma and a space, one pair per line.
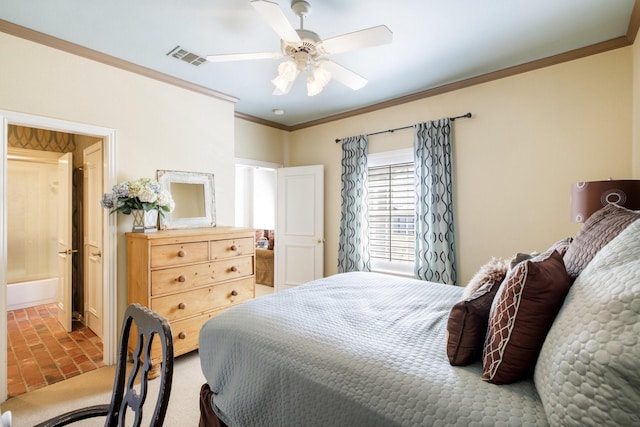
180, 253
201, 300
186, 332
233, 268
231, 247
188, 277
181, 278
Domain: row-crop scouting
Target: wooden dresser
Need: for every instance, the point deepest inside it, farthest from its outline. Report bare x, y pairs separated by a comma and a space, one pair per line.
189, 276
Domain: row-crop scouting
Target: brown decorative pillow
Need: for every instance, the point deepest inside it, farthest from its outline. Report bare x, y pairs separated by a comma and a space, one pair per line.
467, 325
597, 231
492, 272
521, 315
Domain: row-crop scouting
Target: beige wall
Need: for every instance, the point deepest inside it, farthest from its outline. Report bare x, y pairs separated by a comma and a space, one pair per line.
636, 110
530, 137
262, 143
158, 126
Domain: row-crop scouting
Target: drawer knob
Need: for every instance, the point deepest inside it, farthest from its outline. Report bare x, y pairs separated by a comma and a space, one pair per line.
234, 268
234, 248
182, 253
234, 293
182, 306
182, 335
182, 278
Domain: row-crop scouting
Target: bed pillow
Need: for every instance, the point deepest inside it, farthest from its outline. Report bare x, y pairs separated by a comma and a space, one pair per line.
599, 229
562, 246
521, 314
493, 271
467, 325
519, 257
588, 370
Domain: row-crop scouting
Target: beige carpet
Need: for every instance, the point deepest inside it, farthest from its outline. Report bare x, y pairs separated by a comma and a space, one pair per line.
95, 387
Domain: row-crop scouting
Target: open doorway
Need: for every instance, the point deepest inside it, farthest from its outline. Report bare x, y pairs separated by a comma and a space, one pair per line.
47, 273
108, 271
256, 208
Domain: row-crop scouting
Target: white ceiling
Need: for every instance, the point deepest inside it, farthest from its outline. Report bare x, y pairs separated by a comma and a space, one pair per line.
435, 42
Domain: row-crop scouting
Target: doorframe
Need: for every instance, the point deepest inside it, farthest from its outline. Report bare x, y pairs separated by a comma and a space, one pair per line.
109, 261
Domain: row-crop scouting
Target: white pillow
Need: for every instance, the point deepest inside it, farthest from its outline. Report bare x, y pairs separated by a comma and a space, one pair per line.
588, 371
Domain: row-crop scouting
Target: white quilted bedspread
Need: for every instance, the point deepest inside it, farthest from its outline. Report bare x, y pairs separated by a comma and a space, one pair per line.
588, 371
356, 349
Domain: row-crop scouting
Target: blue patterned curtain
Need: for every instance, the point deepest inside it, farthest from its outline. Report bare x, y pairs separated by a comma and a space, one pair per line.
353, 247
435, 249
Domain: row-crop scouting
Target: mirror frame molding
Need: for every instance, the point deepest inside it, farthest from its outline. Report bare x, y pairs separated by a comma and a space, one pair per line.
167, 177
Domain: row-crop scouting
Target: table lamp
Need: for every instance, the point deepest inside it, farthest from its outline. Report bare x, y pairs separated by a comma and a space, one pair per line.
588, 197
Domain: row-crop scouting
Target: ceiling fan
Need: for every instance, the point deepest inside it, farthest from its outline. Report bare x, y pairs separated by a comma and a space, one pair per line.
305, 51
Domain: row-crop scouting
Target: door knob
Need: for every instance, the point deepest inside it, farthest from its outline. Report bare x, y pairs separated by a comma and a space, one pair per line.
98, 254
68, 251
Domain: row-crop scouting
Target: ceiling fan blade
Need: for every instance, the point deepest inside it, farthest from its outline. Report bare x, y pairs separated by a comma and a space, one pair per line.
226, 57
276, 19
343, 75
373, 36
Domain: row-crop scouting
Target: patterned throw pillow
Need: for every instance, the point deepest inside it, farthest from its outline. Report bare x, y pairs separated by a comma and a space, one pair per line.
522, 313
597, 231
467, 325
588, 372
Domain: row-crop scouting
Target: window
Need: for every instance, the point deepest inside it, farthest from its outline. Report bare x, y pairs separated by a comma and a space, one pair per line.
391, 204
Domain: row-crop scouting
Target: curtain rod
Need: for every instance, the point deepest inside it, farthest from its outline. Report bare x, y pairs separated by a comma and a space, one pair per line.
453, 119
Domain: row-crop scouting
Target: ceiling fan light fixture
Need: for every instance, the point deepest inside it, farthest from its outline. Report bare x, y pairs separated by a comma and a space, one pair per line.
314, 87
317, 79
287, 73
281, 84
321, 75
288, 70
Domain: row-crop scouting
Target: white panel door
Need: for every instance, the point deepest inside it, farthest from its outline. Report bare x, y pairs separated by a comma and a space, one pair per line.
299, 238
65, 251
92, 231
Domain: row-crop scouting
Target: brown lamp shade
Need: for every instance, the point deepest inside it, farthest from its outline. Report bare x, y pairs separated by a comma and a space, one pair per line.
589, 197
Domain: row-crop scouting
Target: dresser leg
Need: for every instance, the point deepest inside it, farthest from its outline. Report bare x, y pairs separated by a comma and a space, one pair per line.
154, 372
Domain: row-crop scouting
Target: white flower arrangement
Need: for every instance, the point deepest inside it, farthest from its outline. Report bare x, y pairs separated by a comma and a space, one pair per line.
143, 193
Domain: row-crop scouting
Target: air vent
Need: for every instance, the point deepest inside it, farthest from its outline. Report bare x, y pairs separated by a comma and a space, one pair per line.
186, 56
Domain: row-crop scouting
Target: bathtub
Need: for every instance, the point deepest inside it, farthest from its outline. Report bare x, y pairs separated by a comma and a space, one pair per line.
29, 294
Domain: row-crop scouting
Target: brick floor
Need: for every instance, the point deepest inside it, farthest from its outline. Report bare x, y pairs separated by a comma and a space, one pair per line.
41, 353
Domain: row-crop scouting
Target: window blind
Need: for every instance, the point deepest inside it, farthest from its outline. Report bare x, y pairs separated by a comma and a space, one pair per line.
392, 212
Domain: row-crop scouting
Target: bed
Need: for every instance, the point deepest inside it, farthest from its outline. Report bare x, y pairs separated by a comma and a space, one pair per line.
365, 349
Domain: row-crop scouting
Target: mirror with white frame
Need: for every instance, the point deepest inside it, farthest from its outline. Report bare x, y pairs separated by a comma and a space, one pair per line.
194, 196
